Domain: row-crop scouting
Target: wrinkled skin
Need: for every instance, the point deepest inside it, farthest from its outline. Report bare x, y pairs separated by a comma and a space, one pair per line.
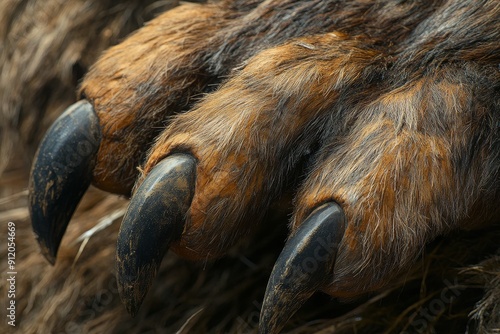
385, 112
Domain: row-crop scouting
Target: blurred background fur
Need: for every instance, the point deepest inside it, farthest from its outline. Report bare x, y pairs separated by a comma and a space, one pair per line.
45, 49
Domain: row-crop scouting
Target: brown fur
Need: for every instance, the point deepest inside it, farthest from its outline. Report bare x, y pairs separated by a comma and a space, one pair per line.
244, 145
48, 47
194, 48
395, 123
132, 106
389, 108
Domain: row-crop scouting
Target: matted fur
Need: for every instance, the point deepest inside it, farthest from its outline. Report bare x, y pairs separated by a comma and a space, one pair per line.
40, 70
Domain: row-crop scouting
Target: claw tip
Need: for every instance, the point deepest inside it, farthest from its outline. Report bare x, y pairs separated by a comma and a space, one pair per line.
133, 289
51, 259
47, 252
291, 283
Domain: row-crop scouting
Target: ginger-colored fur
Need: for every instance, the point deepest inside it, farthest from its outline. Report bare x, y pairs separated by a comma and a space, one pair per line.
389, 108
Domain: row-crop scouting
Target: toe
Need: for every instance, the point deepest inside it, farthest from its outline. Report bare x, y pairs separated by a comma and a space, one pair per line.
400, 174
251, 134
138, 84
247, 138
104, 138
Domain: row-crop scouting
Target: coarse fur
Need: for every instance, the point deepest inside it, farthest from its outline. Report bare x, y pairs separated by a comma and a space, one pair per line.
398, 127
50, 53
389, 108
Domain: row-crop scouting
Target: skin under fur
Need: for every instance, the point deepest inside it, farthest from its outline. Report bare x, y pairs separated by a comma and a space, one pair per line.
389, 108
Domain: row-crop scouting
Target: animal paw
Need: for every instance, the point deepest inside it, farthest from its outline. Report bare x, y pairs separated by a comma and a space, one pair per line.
386, 139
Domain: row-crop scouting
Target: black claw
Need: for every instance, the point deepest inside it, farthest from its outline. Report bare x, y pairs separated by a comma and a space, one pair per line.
154, 219
303, 267
61, 173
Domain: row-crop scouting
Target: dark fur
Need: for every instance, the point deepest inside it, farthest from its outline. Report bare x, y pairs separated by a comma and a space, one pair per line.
390, 108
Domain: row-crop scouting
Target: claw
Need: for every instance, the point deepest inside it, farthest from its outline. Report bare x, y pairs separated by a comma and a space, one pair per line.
61, 173
154, 219
303, 267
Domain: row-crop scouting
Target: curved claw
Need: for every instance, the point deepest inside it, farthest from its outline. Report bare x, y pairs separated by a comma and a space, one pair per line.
303, 267
154, 219
61, 173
